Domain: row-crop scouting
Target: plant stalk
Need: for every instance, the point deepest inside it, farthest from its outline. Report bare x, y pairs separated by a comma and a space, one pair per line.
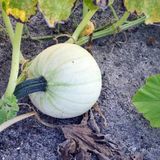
81, 26
85, 9
122, 20
10, 122
114, 12
104, 31
111, 30
15, 60
8, 25
30, 86
10, 31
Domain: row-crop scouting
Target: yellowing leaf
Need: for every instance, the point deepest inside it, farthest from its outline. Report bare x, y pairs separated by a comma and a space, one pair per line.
151, 9
55, 10
20, 9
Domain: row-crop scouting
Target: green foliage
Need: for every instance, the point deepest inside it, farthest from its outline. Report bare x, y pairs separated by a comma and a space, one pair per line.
21, 9
8, 108
151, 9
147, 100
55, 10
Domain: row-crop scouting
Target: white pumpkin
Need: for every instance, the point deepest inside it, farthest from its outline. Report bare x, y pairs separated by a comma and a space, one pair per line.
73, 80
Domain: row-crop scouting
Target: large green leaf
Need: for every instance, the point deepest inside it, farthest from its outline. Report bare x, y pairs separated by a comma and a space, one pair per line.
55, 10
8, 108
151, 9
20, 9
147, 100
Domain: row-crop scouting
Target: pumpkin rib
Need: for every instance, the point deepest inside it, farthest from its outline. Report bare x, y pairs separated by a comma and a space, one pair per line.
66, 98
61, 98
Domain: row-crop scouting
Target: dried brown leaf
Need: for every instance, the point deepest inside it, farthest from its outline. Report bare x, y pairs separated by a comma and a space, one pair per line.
81, 142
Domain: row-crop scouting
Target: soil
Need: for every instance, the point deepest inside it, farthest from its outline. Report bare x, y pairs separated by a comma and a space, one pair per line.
125, 59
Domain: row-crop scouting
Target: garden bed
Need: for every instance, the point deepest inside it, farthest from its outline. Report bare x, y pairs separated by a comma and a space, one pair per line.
125, 60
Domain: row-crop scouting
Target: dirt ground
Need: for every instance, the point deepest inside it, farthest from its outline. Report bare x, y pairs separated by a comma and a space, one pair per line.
125, 59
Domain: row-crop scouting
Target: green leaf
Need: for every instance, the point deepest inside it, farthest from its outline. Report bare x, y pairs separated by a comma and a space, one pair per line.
8, 108
151, 9
147, 100
55, 10
20, 9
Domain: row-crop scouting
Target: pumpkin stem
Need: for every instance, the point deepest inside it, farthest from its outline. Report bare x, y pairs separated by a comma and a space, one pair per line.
30, 86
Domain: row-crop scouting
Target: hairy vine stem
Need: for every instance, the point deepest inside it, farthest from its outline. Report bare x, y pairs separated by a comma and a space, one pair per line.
15, 60
10, 122
111, 30
10, 31
82, 25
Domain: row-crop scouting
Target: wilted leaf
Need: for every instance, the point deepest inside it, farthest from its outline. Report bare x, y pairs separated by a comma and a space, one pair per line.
147, 100
20, 9
151, 9
81, 142
55, 10
8, 108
